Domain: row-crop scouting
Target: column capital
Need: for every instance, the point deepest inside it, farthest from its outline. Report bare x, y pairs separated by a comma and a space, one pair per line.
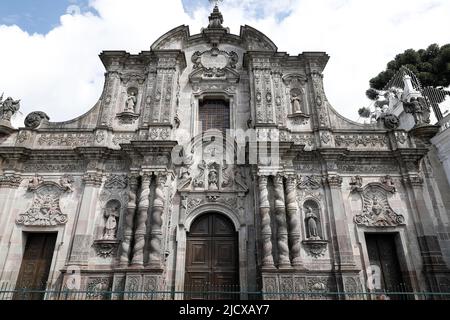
10, 181
334, 181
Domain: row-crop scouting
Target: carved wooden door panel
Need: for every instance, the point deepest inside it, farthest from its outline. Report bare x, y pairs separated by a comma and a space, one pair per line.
383, 253
35, 267
211, 259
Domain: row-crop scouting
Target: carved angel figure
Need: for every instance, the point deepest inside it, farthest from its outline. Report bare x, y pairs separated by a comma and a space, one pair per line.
66, 182
184, 178
234, 59
199, 180
8, 108
196, 59
35, 182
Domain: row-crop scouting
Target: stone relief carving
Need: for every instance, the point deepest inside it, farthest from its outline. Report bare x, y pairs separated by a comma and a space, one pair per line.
34, 119
116, 181
214, 63
184, 178
364, 140
199, 180
309, 182
227, 179
123, 138
13, 181
377, 211
45, 209
355, 183
66, 139
239, 178
97, 288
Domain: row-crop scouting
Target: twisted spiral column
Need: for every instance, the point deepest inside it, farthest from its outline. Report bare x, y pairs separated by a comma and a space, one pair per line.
141, 222
293, 219
280, 218
156, 229
128, 221
266, 231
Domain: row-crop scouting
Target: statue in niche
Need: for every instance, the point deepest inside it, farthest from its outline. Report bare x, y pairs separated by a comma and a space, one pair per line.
213, 180
131, 101
112, 213
296, 100
311, 223
8, 108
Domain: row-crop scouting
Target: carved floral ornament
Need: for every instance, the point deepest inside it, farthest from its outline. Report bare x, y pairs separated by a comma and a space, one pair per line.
377, 211
45, 209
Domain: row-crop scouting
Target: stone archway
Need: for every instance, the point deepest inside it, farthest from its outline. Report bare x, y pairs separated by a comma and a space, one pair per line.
212, 266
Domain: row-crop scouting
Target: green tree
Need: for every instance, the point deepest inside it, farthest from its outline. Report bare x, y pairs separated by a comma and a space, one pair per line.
431, 66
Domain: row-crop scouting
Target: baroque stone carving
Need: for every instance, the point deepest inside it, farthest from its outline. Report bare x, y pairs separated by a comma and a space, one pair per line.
214, 63
184, 178
12, 181
116, 181
280, 218
34, 119
66, 182
266, 230
8, 108
129, 218
45, 209
364, 140
141, 221
309, 182
156, 227
419, 109
293, 218
213, 176
377, 211
199, 181
66, 139
97, 288
355, 183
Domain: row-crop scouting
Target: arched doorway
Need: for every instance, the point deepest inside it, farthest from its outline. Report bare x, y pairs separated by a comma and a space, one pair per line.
212, 266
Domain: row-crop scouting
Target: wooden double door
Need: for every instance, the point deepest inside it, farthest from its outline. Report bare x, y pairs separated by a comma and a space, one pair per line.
382, 253
212, 259
35, 268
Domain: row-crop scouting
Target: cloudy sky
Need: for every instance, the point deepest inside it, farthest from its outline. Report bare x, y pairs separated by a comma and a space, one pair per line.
49, 48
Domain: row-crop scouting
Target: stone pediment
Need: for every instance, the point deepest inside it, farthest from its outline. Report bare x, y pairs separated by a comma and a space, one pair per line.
214, 64
255, 40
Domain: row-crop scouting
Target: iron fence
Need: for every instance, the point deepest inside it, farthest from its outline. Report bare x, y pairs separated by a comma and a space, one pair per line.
219, 293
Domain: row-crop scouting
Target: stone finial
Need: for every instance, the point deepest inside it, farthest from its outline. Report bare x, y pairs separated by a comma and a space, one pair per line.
34, 119
215, 18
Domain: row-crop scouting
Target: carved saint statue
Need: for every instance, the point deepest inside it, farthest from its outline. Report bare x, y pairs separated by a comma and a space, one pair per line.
213, 180
111, 215
131, 102
419, 110
8, 108
296, 100
311, 221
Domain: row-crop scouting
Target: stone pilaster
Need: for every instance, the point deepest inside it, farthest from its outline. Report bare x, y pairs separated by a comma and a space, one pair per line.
342, 234
280, 217
293, 219
433, 262
156, 231
82, 239
266, 230
141, 221
129, 220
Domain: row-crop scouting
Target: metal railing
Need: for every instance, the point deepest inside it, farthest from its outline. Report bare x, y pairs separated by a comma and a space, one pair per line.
29, 294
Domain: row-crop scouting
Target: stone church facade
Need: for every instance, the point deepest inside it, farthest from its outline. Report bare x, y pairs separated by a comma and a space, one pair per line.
283, 194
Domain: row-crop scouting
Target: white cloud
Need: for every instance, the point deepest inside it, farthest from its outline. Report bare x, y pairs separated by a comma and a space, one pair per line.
60, 72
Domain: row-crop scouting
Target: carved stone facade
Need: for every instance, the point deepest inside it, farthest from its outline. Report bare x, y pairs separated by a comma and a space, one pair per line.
123, 185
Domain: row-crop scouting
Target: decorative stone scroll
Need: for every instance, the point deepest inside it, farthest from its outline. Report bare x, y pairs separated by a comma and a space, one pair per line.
377, 211
214, 63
